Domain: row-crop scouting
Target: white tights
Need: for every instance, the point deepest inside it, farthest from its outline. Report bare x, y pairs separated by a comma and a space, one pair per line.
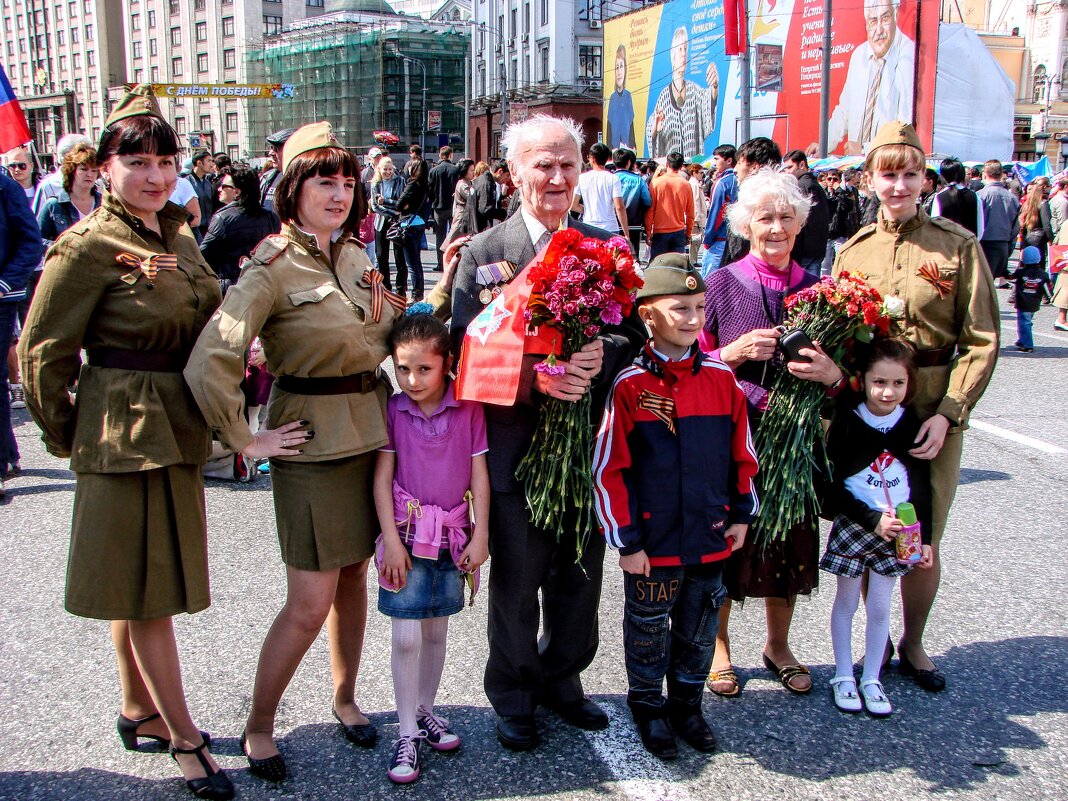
417, 660
877, 607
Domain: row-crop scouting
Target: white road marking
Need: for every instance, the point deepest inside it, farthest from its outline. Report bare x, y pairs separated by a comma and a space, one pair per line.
1011, 329
639, 775
1022, 439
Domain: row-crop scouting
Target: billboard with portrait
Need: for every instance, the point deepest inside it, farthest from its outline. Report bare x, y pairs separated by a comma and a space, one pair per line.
669, 84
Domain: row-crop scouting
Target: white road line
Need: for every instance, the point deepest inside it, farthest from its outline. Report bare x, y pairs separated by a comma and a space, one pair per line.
1011, 329
1005, 433
638, 774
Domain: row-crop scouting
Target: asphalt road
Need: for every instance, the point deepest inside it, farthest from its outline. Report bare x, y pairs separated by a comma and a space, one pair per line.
1000, 731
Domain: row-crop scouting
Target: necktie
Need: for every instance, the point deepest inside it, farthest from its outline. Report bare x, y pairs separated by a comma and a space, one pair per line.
873, 96
543, 242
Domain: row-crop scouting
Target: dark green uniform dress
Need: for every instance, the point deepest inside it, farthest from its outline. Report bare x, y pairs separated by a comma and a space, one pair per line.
134, 434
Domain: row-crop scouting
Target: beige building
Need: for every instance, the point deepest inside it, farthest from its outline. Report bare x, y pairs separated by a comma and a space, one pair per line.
61, 56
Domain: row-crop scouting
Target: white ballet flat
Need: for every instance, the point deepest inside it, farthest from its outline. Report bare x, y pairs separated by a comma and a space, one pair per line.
846, 699
875, 700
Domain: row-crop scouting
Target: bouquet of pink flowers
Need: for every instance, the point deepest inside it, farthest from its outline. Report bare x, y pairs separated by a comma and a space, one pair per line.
789, 440
580, 286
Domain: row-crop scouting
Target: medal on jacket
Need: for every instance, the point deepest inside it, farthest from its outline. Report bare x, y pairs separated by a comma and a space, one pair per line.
492, 278
149, 267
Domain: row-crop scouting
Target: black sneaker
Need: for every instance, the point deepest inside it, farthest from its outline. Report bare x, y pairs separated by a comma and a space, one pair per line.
438, 734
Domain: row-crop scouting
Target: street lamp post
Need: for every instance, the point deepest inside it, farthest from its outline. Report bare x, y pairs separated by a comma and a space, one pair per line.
423, 120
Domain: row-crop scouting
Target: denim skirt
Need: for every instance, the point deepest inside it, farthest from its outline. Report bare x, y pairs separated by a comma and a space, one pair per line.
434, 588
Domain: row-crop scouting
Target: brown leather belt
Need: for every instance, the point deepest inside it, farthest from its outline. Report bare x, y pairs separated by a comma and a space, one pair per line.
334, 385
152, 361
938, 357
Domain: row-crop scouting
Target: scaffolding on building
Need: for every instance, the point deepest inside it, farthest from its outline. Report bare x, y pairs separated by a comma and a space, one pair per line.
364, 76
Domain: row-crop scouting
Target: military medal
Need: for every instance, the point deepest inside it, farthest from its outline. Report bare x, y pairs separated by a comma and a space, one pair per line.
486, 295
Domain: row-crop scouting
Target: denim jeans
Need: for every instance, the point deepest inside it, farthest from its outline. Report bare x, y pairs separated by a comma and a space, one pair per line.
675, 242
1023, 328
413, 261
712, 258
9, 449
670, 622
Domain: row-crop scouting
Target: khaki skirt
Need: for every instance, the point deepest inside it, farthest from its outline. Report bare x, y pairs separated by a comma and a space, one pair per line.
1060, 290
325, 511
138, 548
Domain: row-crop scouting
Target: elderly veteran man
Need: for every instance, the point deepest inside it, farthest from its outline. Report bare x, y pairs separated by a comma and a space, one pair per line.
524, 670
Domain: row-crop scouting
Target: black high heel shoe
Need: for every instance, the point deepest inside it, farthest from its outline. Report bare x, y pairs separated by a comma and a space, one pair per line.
215, 786
127, 728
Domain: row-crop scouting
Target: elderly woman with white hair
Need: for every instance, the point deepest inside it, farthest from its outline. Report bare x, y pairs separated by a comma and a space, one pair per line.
744, 306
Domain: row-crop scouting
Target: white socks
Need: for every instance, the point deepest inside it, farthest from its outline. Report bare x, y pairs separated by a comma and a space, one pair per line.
877, 607
417, 660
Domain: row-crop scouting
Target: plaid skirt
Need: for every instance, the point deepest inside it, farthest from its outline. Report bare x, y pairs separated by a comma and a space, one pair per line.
852, 549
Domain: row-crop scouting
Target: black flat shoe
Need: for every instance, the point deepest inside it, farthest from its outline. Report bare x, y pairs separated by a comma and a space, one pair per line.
215, 786
517, 732
934, 681
657, 738
273, 768
364, 735
694, 729
127, 728
583, 714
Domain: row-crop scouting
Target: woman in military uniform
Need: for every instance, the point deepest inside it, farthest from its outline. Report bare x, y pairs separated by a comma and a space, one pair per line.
128, 284
324, 317
934, 271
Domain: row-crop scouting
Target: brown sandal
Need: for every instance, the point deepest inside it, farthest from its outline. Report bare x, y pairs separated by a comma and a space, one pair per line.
788, 673
724, 675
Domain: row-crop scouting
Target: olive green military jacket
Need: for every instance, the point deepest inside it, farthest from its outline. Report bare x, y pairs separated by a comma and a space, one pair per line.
315, 320
93, 294
938, 270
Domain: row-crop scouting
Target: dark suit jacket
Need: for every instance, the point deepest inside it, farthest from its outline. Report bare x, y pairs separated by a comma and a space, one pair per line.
511, 429
482, 207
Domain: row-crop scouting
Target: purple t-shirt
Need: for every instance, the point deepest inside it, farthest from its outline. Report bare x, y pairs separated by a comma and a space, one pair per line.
434, 454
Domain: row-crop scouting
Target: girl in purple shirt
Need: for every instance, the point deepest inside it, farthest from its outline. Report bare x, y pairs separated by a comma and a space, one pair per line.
431, 491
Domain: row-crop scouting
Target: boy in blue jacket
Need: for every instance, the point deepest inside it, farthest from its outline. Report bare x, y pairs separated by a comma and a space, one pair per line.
673, 470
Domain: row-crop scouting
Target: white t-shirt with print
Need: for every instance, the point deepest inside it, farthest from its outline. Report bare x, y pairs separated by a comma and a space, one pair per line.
867, 485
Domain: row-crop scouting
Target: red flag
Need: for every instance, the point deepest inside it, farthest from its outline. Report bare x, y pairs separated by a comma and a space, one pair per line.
743, 26
13, 128
730, 27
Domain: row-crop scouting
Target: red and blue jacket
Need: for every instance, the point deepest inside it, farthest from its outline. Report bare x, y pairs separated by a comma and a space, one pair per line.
674, 463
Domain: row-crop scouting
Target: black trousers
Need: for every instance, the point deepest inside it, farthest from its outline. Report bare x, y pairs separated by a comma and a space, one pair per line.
522, 668
382, 246
997, 253
442, 223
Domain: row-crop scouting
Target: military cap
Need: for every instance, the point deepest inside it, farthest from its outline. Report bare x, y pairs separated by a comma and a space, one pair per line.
307, 138
895, 132
279, 138
671, 274
138, 101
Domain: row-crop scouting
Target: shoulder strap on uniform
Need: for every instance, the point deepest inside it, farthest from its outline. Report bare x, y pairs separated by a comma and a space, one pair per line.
270, 249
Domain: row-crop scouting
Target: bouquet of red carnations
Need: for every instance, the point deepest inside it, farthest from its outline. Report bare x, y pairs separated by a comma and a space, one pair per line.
580, 286
789, 439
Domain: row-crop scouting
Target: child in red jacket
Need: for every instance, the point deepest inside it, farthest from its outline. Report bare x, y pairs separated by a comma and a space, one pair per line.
673, 469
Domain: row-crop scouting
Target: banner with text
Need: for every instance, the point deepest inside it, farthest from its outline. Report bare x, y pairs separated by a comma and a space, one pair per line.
669, 85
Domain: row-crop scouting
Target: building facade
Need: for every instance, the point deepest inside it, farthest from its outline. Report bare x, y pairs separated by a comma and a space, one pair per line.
61, 56
536, 57
367, 71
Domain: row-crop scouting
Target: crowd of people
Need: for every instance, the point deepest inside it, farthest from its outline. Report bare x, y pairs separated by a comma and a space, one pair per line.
169, 295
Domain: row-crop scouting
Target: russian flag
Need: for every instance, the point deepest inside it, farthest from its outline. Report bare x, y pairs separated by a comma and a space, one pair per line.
13, 128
